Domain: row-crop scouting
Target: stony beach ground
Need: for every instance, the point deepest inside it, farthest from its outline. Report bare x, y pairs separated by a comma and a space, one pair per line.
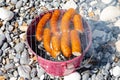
18, 63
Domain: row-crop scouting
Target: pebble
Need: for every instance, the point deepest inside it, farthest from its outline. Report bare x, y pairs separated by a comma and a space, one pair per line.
115, 71
24, 57
5, 45
9, 66
2, 39
13, 1
13, 78
117, 23
24, 71
1, 52
6, 14
69, 4
25, 1
33, 72
73, 76
10, 28
2, 78
117, 44
109, 13
23, 28
1, 23
85, 76
19, 4
106, 1
23, 36
40, 71
8, 37
36, 78
98, 33
15, 73
19, 47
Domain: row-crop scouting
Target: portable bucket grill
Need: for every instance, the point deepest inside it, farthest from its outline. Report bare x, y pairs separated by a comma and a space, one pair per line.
57, 68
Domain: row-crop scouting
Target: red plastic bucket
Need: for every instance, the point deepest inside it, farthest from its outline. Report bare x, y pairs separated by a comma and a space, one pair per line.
52, 67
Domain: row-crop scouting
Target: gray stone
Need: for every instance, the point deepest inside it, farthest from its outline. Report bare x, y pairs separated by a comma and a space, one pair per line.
14, 1
24, 71
40, 71
19, 4
9, 66
98, 33
35, 78
15, 73
6, 14
85, 76
93, 77
8, 37
10, 28
25, 1
99, 76
1, 52
2, 39
33, 72
24, 57
19, 47
5, 45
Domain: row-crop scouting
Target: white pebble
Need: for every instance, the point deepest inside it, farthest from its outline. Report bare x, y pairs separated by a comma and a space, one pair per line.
42, 77
117, 23
106, 1
109, 13
6, 14
23, 28
73, 76
13, 78
117, 44
69, 4
116, 71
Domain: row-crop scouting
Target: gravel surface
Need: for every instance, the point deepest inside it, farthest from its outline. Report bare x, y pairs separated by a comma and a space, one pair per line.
17, 62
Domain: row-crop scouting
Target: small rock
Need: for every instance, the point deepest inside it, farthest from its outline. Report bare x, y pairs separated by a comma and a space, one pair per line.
33, 72
106, 1
98, 33
36, 78
9, 66
19, 4
117, 44
99, 76
24, 71
24, 57
6, 14
15, 73
40, 71
25, 1
1, 52
117, 23
5, 45
23, 36
23, 28
109, 13
42, 77
19, 47
93, 77
115, 71
10, 28
21, 78
1, 23
73, 76
69, 4
8, 37
13, 78
85, 76
2, 78
13, 1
